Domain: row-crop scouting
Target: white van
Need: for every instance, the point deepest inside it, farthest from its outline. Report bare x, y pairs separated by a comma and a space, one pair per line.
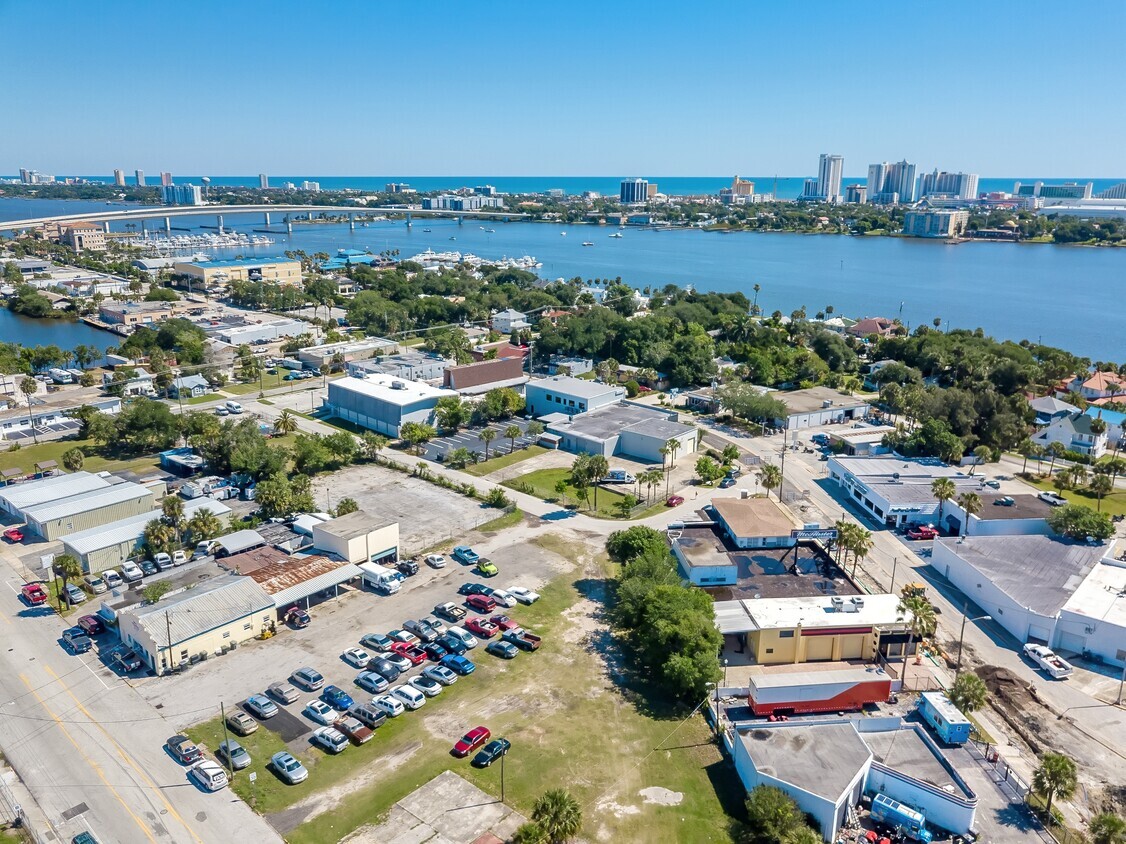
409, 696
233, 407
463, 636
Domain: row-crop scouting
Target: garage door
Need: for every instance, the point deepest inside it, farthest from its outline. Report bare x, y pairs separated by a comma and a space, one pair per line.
852, 647
1071, 642
1040, 634
818, 648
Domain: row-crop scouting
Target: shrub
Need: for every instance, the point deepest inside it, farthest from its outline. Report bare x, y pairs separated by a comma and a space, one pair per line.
497, 498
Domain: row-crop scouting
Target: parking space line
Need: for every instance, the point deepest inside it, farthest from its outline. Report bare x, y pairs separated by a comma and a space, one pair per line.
91, 670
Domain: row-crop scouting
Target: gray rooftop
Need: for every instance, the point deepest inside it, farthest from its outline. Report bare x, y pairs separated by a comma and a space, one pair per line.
1025, 506
805, 401
1051, 405
18, 497
905, 750
211, 604
240, 540
84, 502
577, 387
1038, 572
822, 759
610, 421
124, 530
358, 523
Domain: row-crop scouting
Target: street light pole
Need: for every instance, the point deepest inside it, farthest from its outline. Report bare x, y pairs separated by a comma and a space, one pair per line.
1121, 683
505, 753
894, 564
962, 636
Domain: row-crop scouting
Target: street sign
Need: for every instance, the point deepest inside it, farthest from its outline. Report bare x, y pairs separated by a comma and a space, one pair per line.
254, 776
821, 533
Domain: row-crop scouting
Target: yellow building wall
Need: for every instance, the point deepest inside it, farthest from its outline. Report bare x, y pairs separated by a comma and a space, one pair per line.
783, 647
209, 642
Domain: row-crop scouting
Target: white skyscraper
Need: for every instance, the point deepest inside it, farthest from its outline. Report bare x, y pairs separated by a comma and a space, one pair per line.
119, 178
955, 185
891, 183
140, 174
829, 173
263, 181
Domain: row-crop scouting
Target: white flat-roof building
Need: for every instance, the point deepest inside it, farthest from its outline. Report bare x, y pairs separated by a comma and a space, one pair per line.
383, 403
897, 490
358, 538
625, 429
346, 351
15, 498
564, 394
819, 406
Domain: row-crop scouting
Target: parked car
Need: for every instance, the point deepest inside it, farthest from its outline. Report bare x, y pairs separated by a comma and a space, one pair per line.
434, 651
523, 595
1052, 498
385, 668
451, 644
440, 673
426, 685
112, 579
356, 657
1005, 501
481, 603
992, 484
13, 535
131, 572
297, 618
368, 715
436, 561
727, 483
241, 723
261, 706
179, 557
354, 729
308, 678
922, 532
389, 706
486, 568
505, 650
210, 775
409, 696
91, 625
397, 659
412, 653
473, 589
288, 768
407, 567
76, 639
149, 568
284, 692
674, 501
504, 623
183, 750
504, 598
234, 753
464, 636
451, 611
330, 739
94, 584
125, 659
481, 627
522, 639
471, 741
35, 594
421, 629
618, 476
163, 561
377, 641
74, 595
491, 752
372, 682
319, 711
458, 665
436, 624
465, 555
403, 636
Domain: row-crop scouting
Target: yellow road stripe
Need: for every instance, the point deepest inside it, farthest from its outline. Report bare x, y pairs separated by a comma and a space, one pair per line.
89, 761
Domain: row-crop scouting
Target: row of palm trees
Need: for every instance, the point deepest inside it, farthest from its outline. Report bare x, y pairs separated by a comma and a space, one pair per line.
852, 538
944, 490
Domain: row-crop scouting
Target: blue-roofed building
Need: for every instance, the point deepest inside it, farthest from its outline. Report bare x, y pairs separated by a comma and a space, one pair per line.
345, 258
218, 274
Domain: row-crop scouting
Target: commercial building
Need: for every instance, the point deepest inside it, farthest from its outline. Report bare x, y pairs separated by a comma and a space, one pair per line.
165, 179
84, 510
480, 377
382, 403
107, 546
358, 538
1051, 194
565, 394
889, 184
1070, 595
139, 175
16, 498
280, 270
861, 442
346, 351
856, 194
755, 522
961, 186
50, 416
292, 579
194, 624
315, 187
633, 191
563, 365
827, 186
263, 181
937, 223
181, 195
82, 236
255, 332
411, 364
819, 406
119, 178
135, 313
624, 429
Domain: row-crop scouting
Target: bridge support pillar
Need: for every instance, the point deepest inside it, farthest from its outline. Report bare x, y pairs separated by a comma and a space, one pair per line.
143, 228
267, 215
105, 226
168, 225
288, 224
351, 222
219, 219
461, 219
408, 219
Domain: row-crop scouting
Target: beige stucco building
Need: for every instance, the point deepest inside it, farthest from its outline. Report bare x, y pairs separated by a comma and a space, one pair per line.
358, 538
221, 273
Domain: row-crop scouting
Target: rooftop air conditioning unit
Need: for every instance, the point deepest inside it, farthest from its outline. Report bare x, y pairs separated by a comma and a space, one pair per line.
827, 403
858, 600
850, 607
398, 385
837, 603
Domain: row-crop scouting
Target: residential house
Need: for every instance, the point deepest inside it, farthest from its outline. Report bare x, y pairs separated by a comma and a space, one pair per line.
139, 383
188, 387
880, 326
1049, 409
1075, 434
510, 320
1100, 385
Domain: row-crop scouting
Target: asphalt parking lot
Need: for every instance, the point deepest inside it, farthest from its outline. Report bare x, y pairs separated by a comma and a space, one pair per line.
470, 438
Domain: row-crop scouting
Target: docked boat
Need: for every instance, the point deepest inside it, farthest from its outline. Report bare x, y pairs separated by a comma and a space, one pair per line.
562, 234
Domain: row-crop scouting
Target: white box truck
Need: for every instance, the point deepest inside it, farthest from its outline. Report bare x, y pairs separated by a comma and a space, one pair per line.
380, 578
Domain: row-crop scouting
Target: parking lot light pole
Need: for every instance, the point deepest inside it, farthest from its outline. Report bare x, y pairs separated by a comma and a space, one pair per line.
502, 755
961, 638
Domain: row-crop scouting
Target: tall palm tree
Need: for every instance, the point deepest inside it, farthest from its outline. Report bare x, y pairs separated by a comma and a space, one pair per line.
771, 477
203, 525
1024, 449
1078, 475
1056, 450
844, 540
1056, 777
513, 433
67, 567
559, 814
172, 506
673, 446
922, 624
1101, 485
487, 436
29, 387
970, 502
943, 489
598, 468
285, 424
861, 544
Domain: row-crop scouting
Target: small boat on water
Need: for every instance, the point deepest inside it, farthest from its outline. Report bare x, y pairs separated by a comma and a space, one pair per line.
453, 238
562, 234
427, 231
490, 231
588, 243
616, 234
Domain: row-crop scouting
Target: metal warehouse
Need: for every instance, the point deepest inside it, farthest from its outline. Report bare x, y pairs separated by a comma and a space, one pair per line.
88, 509
16, 498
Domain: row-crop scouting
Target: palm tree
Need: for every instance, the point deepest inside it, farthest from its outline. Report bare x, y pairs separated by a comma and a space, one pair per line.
73, 459
1056, 450
664, 452
861, 544
513, 432
173, 508
923, 622
970, 502
1024, 449
203, 525
1038, 451
29, 387
285, 424
943, 489
598, 467
652, 479
1101, 485
67, 567
487, 436
1078, 475
968, 692
771, 477
1107, 828
844, 540
981, 454
1056, 777
559, 814
673, 446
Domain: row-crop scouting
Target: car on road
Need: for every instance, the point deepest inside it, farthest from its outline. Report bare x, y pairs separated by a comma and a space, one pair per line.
319, 711
13, 535
131, 572
421, 629
210, 775
35, 594
398, 635
330, 739
84, 838
458, 665
426, 685
1054, 666
308, 678
389, 665
288, 768
354, 728
372, 682
471, 741
284, 692
473, 589
463, 636
922, 532
74, 595
389, 706
241, 723
727, 483
76, 639
451, 644
368, 715
436, 561
481, 627
674, 501
407, 567
184, 750
486, 568
234, 754
1052, 498
465, 555
1005, 501
491, 752
377, 641
356, 657
409, 696
412, 653
440, 673
149, 568
337, 698
450, 611
481, 603
523, 595
505, 650
261, 706
504, 623
91, 625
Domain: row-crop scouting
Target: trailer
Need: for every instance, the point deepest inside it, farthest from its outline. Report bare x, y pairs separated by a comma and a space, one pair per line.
944, 717
903, 819
806, 689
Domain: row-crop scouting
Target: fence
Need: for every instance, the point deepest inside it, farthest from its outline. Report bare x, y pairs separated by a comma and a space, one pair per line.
12, 816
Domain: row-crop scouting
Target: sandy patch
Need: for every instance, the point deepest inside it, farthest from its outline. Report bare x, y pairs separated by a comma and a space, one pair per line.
661, 796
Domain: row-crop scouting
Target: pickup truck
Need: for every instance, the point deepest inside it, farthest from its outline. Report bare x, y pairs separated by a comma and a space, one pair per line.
1054, 666
34, 594
522, 639
77, 640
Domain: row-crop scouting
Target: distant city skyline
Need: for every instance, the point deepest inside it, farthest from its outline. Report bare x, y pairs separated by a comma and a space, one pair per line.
472, 91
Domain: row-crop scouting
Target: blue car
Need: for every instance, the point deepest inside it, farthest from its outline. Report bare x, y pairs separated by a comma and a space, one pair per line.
458, 665
465, 555
337, 698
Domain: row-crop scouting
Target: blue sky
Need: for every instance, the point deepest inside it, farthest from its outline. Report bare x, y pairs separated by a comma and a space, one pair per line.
570, 88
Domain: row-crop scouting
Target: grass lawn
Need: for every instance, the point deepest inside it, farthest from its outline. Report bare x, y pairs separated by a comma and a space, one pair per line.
487, 467
541, 484
568, 725
1113, 504
268, 382
206, 397
97, 460
501, 522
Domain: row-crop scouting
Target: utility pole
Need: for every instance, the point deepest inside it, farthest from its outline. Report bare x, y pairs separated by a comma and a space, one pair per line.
226, 738
168, 629
894, 563
505, 753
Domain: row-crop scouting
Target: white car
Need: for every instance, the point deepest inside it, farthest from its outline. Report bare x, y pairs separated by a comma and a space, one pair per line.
409, 696
163, 561
503, 598
331, 739
427, 685
463, 636
524, 596
398, 660
209, 774
436, 561
131, 572
389, 706
321, 712
440, 673
356, 657
179, 557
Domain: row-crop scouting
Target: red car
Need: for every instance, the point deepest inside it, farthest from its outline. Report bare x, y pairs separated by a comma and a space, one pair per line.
413, 653
34, 594
922, 532
13, 535
481, 626
471, 741
504, 622
674, 500
91, 624
481, 603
